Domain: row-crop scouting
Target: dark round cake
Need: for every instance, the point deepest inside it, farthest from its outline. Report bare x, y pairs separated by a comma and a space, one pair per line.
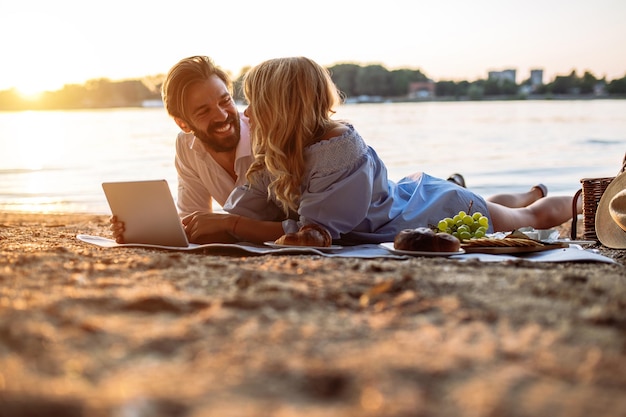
423, 239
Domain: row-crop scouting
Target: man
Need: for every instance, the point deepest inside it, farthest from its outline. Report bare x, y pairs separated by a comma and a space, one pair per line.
213, 150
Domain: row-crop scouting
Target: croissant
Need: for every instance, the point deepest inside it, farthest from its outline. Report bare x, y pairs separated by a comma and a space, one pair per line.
308, 235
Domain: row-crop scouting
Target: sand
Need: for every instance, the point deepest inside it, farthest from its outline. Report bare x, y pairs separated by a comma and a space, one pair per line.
86, 331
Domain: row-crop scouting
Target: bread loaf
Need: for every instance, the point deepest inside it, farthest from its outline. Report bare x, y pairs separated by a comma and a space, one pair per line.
424, 239
308, 235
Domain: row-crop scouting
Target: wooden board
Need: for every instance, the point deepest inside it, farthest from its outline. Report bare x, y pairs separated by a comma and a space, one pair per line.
499, 250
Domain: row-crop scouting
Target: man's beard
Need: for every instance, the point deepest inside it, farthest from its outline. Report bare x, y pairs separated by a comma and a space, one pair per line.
217, 142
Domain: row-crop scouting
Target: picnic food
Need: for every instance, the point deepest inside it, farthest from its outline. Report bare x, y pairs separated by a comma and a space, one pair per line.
424, 239
308, 235
516, 241
465, 226
512, 240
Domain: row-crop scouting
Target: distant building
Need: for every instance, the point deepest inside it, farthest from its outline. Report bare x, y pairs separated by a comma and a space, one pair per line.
599, 89
508, 74
536, 77
421, 89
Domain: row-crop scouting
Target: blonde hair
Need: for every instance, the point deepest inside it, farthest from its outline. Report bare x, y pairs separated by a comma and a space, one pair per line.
291, 101
182, 76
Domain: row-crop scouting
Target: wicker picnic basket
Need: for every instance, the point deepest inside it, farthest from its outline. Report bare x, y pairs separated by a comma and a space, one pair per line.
591, 191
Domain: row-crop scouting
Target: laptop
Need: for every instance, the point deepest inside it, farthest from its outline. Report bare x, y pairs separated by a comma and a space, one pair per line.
148, 211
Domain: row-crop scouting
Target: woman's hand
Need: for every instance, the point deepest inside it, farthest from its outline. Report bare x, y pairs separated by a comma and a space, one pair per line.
117, 227
202, 227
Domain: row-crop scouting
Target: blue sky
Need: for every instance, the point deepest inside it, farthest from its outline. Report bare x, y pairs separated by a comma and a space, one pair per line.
48, 44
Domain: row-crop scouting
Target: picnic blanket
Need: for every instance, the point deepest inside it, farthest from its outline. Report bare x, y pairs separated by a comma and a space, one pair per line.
573, 253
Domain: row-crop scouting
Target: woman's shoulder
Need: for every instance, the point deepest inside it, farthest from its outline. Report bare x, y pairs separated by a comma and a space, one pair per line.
337, 152
338, 130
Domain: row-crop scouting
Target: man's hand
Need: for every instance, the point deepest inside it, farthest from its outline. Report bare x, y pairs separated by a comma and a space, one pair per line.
117, 227
203, 227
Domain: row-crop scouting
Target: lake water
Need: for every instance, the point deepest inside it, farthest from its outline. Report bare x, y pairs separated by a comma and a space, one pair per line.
55, 161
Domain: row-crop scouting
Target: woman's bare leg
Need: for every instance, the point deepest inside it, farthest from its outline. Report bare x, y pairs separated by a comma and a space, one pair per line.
513, 200
519, 199
544, 213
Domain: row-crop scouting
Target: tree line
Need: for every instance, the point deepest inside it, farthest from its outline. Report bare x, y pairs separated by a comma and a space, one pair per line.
352, 79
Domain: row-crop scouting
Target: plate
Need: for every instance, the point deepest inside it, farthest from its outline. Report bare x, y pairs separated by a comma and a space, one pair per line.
390, 248
573, 242
498, 250
277, 246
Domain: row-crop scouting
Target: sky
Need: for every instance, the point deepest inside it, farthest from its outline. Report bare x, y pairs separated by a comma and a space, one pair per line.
48, 44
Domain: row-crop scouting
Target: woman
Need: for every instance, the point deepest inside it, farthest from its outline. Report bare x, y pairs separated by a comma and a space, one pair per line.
310, 168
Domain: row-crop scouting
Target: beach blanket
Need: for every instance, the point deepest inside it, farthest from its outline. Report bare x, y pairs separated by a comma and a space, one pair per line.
573, 253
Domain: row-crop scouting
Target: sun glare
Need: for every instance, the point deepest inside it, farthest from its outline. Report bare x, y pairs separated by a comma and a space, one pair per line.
30, 94
33, 89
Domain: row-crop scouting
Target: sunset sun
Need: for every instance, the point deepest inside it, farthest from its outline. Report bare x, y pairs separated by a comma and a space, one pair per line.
30, 94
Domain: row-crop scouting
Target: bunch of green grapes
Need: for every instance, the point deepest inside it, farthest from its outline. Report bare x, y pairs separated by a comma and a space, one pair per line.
464, 226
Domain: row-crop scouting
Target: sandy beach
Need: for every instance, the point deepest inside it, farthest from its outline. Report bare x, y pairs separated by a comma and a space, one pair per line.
87, 331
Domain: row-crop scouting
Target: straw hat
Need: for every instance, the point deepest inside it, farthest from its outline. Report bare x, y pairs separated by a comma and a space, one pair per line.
611, 214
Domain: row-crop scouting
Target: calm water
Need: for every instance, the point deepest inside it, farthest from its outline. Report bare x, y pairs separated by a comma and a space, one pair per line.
55, 161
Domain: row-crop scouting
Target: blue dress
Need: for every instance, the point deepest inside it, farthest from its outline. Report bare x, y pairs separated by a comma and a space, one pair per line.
346, 190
